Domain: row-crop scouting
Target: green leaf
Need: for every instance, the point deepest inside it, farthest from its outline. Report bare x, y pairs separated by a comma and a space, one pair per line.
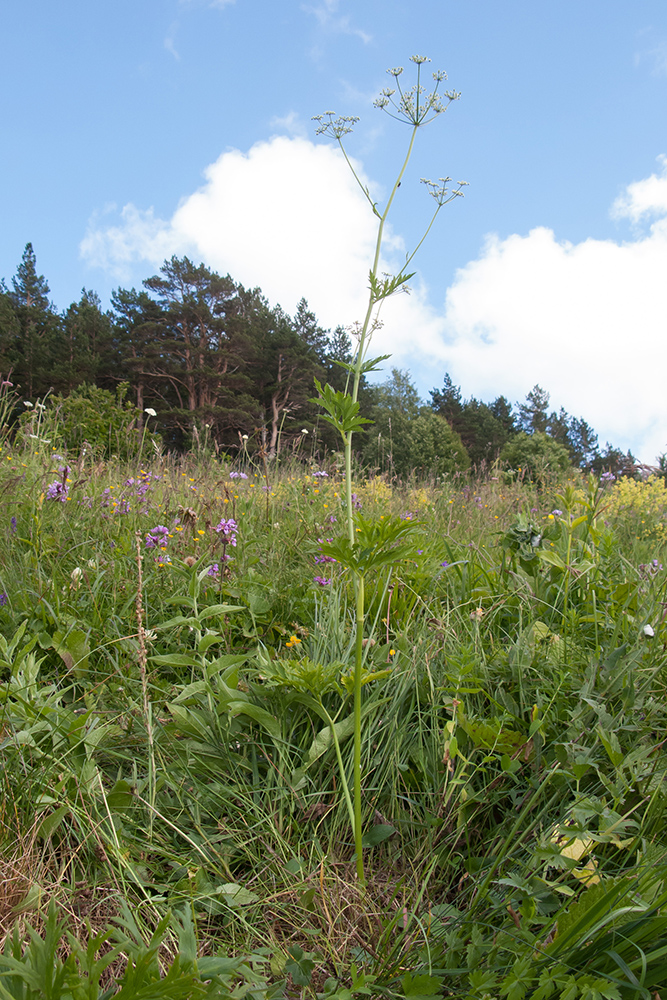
324, 739
551, 557
209, 640
178, 620
52, 821
73, 649
300, 965
182, 601
424, 987
258, 714
120, 797
341, 410
175, 660
382, 288
378, 833
236, 895
220, 609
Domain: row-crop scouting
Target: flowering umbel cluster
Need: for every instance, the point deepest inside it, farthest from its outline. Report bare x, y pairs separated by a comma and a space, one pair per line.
415, 106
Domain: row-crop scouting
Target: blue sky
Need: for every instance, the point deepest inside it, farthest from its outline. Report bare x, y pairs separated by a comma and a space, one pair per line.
134, 130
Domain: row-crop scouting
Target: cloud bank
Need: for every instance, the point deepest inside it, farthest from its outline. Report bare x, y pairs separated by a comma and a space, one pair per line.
587, 321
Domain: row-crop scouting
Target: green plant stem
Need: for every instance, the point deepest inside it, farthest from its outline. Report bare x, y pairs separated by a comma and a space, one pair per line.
364, 338
358, 666
366, 326
341, 766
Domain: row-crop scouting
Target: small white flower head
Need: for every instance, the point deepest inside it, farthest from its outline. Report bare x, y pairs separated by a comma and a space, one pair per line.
415, 105
75, 576
26, 402
41, 406
92, 564
648, 630
304, 430
150, 411
244, 437
440, 192
334, 127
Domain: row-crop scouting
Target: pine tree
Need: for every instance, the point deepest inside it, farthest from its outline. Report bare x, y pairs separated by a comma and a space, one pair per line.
447, 401
306, 326
533, 413
38, 326
83, 344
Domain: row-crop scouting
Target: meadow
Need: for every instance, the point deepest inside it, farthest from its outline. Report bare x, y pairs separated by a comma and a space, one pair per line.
177, 724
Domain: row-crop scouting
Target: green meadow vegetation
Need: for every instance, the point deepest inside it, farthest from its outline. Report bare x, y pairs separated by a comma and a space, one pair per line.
177, 721
310, 723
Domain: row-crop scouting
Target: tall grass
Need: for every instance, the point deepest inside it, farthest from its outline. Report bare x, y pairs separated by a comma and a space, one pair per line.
512, 743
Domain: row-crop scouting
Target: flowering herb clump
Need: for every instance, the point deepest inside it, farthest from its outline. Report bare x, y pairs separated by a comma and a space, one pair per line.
157, 537
57, 491
237, 475
227, 531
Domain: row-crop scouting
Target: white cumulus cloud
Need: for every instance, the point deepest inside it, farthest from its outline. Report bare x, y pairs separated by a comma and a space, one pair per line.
588, 321
643, 198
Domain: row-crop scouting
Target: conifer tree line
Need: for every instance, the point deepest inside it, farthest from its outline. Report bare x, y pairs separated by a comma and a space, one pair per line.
206, 353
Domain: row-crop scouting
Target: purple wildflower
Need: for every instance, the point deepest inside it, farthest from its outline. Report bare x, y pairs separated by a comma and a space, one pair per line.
57, 491
556, 512
356, 502
607, 477
13, 527
320, 475
3, 600
213, 570
237, 475
444, 564
157, 537
227, 531
322, 558
322, 581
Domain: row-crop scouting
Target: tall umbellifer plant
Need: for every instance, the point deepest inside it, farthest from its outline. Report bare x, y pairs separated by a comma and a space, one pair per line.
370, 546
